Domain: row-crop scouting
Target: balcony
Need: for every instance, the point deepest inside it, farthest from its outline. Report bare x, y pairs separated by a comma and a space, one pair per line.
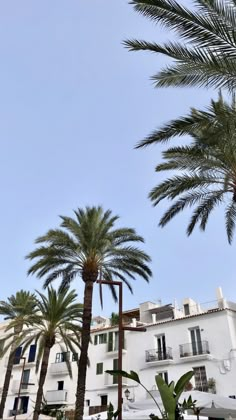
59, 368
195, 351
15, 387
157, 357
112, 348
112, 381
56, 397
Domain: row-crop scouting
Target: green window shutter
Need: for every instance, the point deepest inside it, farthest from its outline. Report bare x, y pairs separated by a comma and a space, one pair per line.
110, 341
99, 369
103, 338
100, 338
115, 367
95, 340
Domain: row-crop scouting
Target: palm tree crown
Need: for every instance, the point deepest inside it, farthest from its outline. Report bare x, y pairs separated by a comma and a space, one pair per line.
206, 52
207, 166
59, 313
58, 320
87, 245
19, 309
19, 306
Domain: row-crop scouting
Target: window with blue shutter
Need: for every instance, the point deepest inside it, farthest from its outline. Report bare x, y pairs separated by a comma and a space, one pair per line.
32, 353
17, 356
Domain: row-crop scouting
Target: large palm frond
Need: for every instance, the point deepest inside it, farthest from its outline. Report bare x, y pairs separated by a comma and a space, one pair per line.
205, 170
206, 52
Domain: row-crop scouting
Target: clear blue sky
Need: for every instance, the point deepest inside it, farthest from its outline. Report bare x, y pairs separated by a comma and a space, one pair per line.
73, 103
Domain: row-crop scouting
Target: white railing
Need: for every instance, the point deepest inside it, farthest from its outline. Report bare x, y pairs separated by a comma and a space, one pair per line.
56, 396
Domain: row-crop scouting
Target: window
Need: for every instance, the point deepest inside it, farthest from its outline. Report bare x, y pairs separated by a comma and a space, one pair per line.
110, 341
60, 385
25, 379
99, 370
100, 339
32, 352
164, 376
75, 357
161, 347
17, 356
200, 378
22, 406
186, 309
62, 357
103, 399
113, 340
196, 341
87, 403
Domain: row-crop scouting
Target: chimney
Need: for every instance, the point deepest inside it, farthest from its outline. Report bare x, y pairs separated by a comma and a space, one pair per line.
134, 322
220, 298
154, 318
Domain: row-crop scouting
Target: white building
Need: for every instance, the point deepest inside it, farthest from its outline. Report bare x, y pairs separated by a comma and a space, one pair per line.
175, 341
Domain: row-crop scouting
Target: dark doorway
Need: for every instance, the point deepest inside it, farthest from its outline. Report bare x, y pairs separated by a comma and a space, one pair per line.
103, 399
60, 385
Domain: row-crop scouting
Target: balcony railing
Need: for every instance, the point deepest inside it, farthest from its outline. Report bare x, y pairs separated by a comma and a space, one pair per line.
113, 346
57, 396
95, 409
14, 412
202, 388
60, 368
110, 380
156, 355
194, 349
15, 387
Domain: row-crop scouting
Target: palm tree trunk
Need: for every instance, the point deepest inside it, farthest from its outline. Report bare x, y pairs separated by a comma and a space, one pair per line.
83, 360
17, 331
6, 382
42, 377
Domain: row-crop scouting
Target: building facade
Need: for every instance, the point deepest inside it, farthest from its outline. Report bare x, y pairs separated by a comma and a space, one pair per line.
175, 341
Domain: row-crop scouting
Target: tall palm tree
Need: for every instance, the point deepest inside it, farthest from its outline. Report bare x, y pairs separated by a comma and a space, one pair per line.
205, 54
58, 319
88, 246
207, 165
19, 308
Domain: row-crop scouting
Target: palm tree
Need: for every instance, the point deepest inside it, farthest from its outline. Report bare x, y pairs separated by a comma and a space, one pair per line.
114, 319
208, 165
18, 308
88, 246
205, 54
58, 320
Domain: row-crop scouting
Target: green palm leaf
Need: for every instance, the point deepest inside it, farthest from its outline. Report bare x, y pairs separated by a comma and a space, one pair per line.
209, 30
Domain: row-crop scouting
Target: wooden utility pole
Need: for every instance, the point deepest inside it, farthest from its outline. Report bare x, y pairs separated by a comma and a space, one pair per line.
121, 328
